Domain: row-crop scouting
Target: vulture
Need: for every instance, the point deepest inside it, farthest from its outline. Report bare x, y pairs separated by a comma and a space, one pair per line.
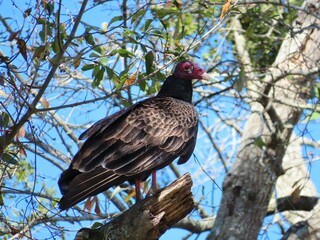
135, 142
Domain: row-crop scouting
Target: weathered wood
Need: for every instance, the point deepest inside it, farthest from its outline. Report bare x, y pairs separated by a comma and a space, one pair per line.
149, 218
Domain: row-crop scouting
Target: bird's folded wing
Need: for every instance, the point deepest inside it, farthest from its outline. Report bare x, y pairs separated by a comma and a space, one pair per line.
152, 134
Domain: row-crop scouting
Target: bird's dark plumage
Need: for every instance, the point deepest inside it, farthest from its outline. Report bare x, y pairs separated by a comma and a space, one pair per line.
132, 143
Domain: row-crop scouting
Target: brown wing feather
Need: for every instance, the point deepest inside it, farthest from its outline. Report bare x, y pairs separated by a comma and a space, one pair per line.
102, 124
87, 184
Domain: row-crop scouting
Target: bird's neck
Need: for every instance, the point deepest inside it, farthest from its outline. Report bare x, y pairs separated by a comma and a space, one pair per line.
177, 88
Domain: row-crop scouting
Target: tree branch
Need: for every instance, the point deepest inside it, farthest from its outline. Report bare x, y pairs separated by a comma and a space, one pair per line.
32, 107
303, 203
150, 218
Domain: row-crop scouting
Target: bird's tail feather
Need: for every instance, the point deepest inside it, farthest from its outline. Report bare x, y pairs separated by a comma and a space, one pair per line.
88, 184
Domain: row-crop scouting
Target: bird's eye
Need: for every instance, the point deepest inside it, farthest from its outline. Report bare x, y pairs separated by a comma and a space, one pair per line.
188, 69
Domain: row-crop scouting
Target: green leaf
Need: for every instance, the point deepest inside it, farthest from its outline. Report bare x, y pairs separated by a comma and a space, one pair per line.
120, 84
122, 53
98, 49
167, 11
41, 21
125, 103
95, 70
9, 158
143, 85
137, 15
314, 116
160, 76
149, 62
4, 119
158, 33
115, 19
50, 8
87, 67
1, 203
128, 32
259, 142
43, 36
155, 87
111, 74
55, 45
181, 34
103, 61
317, 91
147, 24
96, 225
39, 52
89, 38
94, 55
240, 80
99, 76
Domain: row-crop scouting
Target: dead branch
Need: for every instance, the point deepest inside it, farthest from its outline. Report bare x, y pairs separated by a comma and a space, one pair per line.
150, 218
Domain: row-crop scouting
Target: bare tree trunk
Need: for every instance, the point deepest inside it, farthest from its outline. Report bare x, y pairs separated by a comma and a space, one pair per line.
248, 187
150, 218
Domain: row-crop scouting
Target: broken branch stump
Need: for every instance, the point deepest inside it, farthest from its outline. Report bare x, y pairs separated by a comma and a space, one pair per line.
149, 218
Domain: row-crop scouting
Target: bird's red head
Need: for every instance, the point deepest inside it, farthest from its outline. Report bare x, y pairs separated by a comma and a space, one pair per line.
188, 70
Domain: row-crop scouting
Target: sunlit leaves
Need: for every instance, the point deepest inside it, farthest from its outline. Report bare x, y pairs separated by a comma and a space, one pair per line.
165, 12
263, 42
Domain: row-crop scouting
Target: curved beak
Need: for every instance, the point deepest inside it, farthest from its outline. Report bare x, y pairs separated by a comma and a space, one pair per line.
205, 76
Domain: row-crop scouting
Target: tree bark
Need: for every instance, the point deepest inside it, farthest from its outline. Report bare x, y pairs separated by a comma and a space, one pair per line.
248, 187
306, 224
150, 218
